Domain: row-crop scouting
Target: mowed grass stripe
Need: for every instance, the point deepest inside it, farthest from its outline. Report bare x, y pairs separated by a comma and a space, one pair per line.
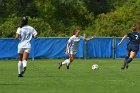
42, 76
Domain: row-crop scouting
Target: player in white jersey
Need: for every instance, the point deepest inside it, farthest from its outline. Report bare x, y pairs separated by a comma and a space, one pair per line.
24, 33
72, 47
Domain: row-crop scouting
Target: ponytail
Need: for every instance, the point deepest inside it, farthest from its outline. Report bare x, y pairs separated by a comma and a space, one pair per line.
24, 22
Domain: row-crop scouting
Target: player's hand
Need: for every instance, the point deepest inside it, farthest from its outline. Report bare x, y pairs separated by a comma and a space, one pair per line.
93, 36
66, 52
119, 44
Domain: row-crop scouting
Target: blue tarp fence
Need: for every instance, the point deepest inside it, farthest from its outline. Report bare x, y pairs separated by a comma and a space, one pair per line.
55, 48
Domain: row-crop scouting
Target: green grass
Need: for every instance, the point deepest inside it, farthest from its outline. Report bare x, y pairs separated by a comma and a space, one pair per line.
42, 76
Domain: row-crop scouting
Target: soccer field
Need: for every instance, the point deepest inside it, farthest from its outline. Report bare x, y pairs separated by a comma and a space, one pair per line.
42, 76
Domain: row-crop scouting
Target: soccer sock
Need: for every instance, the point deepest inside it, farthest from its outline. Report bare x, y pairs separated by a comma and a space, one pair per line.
129, 60
65, 62
19, 67
126, 58
68, 62
24, 63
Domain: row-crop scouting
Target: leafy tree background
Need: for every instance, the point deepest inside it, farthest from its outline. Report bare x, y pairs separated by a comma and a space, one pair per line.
53, 18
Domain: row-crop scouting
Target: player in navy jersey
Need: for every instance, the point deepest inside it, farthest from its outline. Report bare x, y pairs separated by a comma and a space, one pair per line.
132, 46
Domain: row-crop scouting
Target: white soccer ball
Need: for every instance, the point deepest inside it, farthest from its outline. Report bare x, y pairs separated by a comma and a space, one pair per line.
95, 67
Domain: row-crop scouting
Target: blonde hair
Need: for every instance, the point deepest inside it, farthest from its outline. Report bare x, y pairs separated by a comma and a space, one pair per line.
75, 30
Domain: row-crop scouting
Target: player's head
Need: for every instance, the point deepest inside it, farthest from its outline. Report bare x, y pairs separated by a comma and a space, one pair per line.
134, 28
24, 21
76, 32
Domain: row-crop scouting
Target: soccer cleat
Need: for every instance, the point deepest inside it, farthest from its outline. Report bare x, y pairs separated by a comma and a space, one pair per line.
126, 66
24, 69
60, 65
67, 67
20, 75
123, 67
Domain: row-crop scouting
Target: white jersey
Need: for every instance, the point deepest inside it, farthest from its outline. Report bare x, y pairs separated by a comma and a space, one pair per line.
74, 42
25, 36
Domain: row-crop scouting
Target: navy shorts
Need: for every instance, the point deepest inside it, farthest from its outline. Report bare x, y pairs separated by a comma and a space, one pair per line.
134, 48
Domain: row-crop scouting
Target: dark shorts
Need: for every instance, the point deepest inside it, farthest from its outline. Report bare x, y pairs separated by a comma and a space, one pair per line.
134, 48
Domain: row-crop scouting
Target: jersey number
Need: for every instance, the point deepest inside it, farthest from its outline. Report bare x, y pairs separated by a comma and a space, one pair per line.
136, 37
27, 37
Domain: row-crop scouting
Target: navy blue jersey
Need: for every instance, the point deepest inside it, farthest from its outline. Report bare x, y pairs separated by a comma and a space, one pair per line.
134, 38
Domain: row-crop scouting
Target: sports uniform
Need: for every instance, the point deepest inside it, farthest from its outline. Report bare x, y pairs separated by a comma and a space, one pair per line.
134, 42
74, 43
25, 33
132, 46
72, 47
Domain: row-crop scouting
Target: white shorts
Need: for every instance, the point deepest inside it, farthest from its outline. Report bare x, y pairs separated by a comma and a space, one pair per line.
70, 51
22, 50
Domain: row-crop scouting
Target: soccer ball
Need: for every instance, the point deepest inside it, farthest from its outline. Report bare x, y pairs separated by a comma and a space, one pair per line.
95, 67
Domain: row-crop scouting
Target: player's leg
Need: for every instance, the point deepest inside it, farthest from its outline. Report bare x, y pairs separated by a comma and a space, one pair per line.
133, 53
67, 61
20, 65
24, 60
131, 57
71, 58
126, 58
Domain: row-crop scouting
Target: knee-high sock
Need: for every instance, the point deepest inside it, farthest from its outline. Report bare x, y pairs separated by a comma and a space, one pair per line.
24, 63
129, 60
66, 62
20, 66
125, 60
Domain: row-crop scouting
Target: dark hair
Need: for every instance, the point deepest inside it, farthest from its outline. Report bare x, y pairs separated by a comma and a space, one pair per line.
24, 21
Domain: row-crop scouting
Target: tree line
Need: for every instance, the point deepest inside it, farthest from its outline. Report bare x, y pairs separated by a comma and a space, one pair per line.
58, 18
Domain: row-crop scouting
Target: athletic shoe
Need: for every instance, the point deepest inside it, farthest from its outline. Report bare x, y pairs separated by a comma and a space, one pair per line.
67, 67
24, 69
126, 66
60, 65
20, 75
123, 67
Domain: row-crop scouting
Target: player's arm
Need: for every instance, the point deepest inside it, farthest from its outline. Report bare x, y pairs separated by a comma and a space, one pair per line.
17, 36
18, 33
122, 40
68, 44
34, 33
87, 39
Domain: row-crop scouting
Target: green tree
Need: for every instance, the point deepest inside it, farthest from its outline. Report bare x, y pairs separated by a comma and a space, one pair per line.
118, 22
60, 17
